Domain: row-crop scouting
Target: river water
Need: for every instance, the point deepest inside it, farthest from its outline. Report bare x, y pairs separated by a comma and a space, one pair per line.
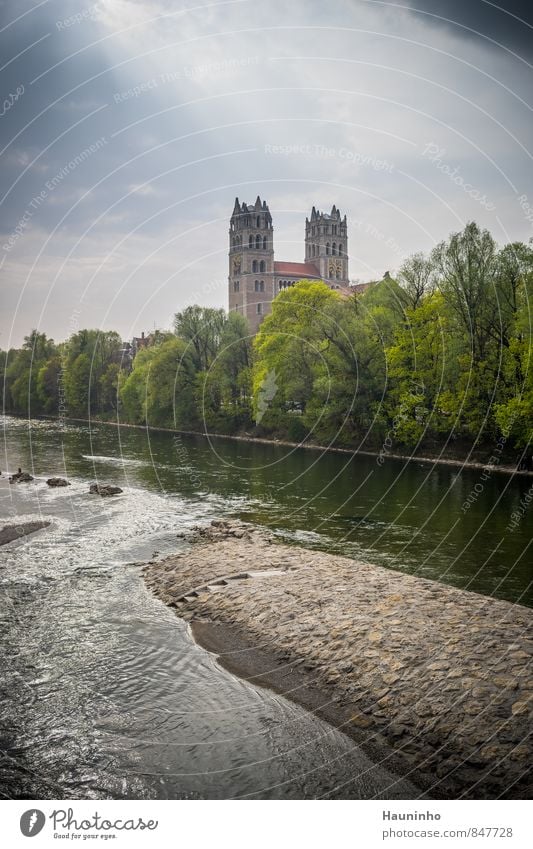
104, 692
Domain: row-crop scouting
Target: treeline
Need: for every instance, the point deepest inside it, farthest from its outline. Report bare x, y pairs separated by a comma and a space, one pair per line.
200, 372
438, 356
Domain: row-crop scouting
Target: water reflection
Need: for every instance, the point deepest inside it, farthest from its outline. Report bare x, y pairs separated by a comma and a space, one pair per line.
407, 516
104, 694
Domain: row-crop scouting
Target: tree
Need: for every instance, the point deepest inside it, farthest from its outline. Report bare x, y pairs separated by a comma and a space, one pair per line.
514, 413
423, 371
89, 355
350, 377
201, 328
80, 392
417, 278
160, 390
48, 384
289, 343
226, 388
466, 264
109, 387
22, 373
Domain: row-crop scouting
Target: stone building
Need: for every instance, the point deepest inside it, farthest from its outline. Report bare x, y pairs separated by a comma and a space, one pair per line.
255, 277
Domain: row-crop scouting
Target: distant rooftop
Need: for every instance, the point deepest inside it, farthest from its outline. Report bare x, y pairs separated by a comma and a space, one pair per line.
306, 269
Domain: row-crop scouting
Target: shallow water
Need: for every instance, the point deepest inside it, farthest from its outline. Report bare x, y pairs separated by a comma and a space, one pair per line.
104, 693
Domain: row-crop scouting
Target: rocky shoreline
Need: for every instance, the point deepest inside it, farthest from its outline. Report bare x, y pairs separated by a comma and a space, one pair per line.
439, 678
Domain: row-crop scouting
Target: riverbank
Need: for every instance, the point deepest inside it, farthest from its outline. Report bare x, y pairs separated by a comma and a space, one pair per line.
502, 468
437, 677
9, 533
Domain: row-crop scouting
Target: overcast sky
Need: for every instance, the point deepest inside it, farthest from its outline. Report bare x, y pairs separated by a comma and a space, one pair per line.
129, 127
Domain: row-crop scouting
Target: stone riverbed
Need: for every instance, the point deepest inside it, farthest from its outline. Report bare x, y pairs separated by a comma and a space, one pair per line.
441, 676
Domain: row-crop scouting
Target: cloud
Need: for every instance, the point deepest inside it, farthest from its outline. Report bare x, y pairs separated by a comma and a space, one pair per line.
306, 103
506, 24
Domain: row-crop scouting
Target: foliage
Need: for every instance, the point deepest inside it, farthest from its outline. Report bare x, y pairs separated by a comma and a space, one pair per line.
442, 352
160, 389
21, 373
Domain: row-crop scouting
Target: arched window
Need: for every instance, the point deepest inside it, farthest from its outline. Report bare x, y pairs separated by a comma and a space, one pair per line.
251, 242
259, 308
258, 242
254, 265
340, 248
327, 249
262, 286
264, 243
334, 249
258, 221
235, 285
314, 249
262, 266
338, 275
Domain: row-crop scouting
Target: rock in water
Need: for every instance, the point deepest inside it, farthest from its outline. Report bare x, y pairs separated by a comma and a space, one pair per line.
13, 532
57, 482
20, 477
105, 490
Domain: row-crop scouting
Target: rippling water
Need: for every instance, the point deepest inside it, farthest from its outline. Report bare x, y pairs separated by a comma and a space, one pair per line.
104, 693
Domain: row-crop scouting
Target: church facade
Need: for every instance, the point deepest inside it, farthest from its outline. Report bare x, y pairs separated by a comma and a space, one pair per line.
255, 277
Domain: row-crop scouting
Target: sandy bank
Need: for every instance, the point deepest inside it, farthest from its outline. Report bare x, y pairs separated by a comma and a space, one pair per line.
440, 675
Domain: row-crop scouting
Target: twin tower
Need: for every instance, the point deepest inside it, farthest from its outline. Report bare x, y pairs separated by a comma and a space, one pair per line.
255, 278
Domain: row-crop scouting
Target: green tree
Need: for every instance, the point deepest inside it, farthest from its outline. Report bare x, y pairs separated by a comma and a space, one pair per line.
466, 265
22, 373
80, 391
423, 371
201, 328
226, 389
48, 384
289, 345
90, 353
417, 278
160, 390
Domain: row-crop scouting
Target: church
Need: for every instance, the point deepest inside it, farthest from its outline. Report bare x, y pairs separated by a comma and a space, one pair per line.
255, 278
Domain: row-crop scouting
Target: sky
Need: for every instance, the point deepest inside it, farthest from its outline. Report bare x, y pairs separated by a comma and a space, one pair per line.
128, 127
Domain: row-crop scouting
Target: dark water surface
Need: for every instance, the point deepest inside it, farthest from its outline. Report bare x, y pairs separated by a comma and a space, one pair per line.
104, 694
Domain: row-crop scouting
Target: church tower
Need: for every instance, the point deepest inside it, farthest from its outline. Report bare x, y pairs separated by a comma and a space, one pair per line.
326, 246
255, 279
251, 261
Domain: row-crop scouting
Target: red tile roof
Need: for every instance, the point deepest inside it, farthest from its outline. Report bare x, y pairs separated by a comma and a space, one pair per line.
296, 269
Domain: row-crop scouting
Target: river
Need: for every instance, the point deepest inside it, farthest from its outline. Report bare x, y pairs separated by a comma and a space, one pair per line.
104, 692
